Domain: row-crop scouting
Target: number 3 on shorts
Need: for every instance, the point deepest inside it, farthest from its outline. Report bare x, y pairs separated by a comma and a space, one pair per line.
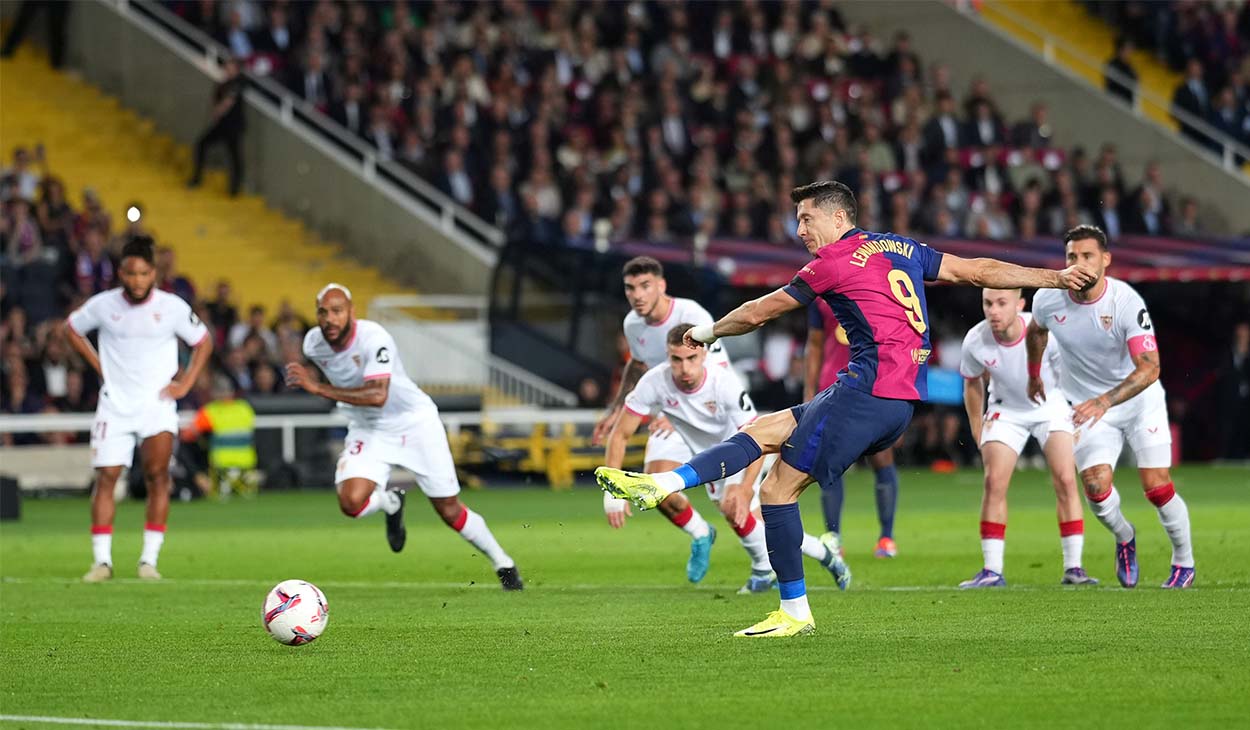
356, 447
901, 288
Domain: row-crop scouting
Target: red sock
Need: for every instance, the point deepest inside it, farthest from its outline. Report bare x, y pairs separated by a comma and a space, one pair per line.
993, 531
1161, 495
747, 527
1073, 527
681, 518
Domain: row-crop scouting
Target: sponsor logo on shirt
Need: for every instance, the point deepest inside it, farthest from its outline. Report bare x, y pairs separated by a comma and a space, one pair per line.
920, 355
671, 402
991, 363
1060, 318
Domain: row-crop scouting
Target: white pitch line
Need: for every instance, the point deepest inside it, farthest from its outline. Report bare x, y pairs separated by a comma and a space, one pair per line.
100, 722
555, 587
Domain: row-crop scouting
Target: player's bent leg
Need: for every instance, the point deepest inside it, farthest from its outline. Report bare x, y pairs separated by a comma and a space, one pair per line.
103, 508
679, 511
1174, 516
770, 432
1057, 448
1104, 502
751, 535
472, 527
885, 490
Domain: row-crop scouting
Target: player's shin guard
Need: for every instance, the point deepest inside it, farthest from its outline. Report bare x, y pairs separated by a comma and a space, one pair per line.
1174, 515
886, 491
831, 495
1107, 509
752, 536
473, 528
783, 529
102, 544
722, 460
153, 539
1072, 541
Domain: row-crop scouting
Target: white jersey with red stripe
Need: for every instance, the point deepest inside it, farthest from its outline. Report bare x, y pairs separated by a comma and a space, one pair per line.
138, 344
703, 417
1097, 339
1007, 364
649, 342
369, 354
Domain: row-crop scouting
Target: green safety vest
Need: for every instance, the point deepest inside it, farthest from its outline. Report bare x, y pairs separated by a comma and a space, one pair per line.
230, 445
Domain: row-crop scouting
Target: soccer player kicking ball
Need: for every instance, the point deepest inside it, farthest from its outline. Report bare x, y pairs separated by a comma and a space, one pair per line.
391, 422
138, 364
994, 350
706, 405
873, 283
652, 313
1111, 371
827, 353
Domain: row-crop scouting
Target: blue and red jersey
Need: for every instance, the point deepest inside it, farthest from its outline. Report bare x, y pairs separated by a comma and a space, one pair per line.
837, 350
874, 286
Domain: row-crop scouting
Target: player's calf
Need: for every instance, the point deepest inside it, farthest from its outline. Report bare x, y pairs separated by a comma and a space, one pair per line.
472, 527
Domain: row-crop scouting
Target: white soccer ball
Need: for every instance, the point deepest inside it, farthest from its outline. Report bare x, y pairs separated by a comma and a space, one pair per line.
295, 612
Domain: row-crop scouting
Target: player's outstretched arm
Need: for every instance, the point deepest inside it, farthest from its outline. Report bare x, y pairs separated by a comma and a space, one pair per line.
373, 393
996, 274
182, 384
1145, 373
974, 404
1035, 341
746, 318
813, 359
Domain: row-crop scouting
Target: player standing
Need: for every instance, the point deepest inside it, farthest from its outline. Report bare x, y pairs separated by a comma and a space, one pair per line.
873, 282
392, 422
138, 365
994, 350
1111, 371
828, 352
652, 313
707, 405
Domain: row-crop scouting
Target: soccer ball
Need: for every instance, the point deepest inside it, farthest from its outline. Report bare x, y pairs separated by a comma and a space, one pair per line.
295, 612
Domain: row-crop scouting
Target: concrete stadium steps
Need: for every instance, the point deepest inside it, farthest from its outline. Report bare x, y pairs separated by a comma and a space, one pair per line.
1069, 21
92, 141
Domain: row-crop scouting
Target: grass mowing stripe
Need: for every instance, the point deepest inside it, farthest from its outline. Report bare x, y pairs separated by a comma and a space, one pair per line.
99, 722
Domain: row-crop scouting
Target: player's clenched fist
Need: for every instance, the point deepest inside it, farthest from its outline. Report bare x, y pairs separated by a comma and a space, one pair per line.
1077, 278
297, 376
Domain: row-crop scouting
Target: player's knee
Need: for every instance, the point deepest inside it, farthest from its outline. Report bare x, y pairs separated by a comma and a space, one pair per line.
1097, 482
156, 476
449, 510
996, 485
350, 504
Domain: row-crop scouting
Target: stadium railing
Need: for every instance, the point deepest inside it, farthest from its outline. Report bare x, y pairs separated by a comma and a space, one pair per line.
1080, 67
475, 235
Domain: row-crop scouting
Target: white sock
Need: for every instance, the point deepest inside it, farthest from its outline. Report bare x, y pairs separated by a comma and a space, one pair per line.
152, 541
696, 526
669, 481
797, 607
475, 531
1108, 513
756, 546
381, 499
102, 548
1072, 546
1175, 519
812, 547
992, 549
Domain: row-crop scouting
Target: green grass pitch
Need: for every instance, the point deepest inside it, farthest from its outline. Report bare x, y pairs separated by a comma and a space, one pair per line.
609, 634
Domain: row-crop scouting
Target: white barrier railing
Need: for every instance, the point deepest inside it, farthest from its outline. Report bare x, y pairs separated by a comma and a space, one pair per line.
288, 424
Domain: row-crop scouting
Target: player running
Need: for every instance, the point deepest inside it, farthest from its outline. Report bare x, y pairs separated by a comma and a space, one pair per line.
994, 351
707, 405
392, 422
827, 353
138, 365
873, 282
1111, 371
652, 313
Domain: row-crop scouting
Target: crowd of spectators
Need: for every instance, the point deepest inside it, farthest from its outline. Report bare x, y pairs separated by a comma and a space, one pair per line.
54, 255
1208, 42
679, 119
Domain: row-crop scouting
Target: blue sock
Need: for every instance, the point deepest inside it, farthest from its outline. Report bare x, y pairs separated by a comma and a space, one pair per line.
887, 498
831, 494
724, 459
783, 531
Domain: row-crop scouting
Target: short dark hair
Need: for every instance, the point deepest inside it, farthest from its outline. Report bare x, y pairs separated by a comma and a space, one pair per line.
640, 265
677, 333
141, 246
1082, 232
827, 194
